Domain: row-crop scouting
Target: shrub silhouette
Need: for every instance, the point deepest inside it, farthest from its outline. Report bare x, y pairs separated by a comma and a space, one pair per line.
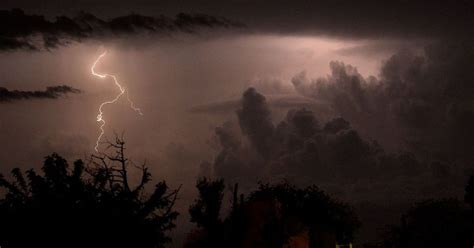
470, 192
205, 213
433, 223
272, 216
85, 206
309, 211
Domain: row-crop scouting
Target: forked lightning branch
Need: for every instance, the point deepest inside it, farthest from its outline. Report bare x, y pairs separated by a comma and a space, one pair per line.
122, 91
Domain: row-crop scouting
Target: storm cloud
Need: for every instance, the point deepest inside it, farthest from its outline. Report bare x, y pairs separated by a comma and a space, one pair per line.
19, 30
51, 92
423, 101
302, 149
413, 120
353, 19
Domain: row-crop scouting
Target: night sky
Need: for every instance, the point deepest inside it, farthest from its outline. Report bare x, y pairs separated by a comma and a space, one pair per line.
373, 100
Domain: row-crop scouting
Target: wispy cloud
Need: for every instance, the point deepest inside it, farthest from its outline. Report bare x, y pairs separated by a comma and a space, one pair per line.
51, 92
19, 30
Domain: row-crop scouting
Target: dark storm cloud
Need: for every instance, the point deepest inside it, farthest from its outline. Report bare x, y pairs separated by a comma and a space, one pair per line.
302, 149
51, 92
359, 19
255, 120
424, 101
19, 30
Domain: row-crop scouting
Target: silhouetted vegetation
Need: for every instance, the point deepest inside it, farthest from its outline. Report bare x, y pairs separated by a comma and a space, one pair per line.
272, 216
95, 204
205, 213
470, 192
434, 223
91, 205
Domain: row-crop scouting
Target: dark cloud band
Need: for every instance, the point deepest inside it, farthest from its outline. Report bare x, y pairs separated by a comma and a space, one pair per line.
350, 19
51, 92
19, 30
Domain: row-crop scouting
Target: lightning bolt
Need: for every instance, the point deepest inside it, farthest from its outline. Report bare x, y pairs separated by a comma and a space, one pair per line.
100, 117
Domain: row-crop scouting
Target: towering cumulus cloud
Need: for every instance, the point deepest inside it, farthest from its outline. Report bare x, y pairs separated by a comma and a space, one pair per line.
255, 121
303, 149
19, 30
424, 101
51, 92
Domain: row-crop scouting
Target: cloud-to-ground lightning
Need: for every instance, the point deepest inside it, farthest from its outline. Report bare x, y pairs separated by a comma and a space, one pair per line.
100, 117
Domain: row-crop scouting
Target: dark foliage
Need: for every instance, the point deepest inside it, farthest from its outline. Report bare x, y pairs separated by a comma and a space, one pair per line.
470, 192
271, 216
433, 223
312, 209
85, 206
205, 211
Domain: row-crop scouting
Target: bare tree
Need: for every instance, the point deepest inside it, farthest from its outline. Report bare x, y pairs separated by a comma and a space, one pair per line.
92, 205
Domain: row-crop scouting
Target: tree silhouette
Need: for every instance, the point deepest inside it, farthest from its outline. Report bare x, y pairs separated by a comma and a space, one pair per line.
470, 192
433, 223
90, 205
310, 210
205, 213
271, 216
